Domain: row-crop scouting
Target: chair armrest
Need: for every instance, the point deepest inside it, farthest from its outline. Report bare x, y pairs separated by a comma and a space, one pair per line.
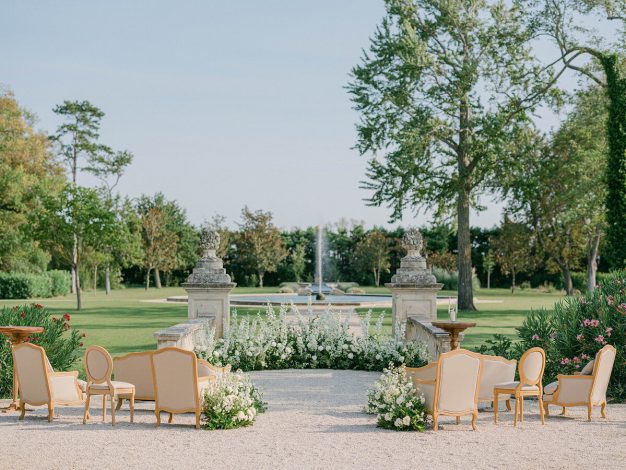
426, 388
70, 373
206, 379
64, 387
573, 389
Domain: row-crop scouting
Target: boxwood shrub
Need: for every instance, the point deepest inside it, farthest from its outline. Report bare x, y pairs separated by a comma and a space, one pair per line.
28, 286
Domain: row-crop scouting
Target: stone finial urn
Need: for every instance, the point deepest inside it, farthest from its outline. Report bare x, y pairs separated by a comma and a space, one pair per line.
209, 268
413, 270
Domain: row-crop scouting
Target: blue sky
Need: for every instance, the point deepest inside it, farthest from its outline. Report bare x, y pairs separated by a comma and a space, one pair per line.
223, 103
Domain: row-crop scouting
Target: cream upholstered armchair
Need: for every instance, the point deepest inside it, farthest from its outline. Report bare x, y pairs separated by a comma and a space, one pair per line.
39, 384
450, 386
583, 389
206, 369
177, 387
531, 366
99, 369
135, 368
496, 370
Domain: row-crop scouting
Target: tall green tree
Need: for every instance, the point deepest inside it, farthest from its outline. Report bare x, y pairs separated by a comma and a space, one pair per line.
159, 243
72, 223
372, 254
513, 249
567, 24
259, 242
443, 95
28, 169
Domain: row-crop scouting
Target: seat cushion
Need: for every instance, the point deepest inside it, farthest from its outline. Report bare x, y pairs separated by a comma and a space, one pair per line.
513, 386
588, 369
117, 385
550, 388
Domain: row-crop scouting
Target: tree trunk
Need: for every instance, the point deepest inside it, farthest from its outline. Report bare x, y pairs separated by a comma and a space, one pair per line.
157, 278
107, 280
79, 300
567, 278
261, 274
513, 281
488, 279
148, 277
592, 258
465, 293
377, 277
73, 283
75, 276
95, 279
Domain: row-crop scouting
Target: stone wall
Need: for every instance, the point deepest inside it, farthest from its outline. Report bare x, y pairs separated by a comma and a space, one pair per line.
436, 340
187, 335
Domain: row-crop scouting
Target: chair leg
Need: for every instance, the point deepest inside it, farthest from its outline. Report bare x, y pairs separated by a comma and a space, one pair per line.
197, 420
508, 404
458, 420
603, 409
496, 405
516, 411
541, 410
119, 403
474, 417
50, 412
170, 419
521, 409
86, 413
23, 408
563, 411
435, 422
132, 408
589, 408
158, 417
112, 410
104, 408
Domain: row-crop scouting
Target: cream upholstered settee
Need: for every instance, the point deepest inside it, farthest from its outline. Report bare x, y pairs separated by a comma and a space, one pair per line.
587, 389
136, 368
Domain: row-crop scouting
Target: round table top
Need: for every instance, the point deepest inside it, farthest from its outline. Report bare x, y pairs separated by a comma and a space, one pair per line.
17, 331
453, 325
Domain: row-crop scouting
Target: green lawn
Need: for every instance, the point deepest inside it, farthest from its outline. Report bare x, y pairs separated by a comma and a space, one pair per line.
124, 322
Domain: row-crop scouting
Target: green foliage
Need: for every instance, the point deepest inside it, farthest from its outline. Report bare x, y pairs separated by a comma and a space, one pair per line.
60, 282
28, 286
450, 279
62, 343
499, 345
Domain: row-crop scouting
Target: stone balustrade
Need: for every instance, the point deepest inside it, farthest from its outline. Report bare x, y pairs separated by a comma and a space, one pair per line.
187, 335
436, 340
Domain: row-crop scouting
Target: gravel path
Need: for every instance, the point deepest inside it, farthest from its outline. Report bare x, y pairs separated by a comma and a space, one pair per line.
315, 420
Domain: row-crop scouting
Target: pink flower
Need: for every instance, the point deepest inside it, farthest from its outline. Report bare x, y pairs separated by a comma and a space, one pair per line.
622, 308
576, 360
600, 339
565, 361
594, 323
577, 366
609, 330
580, 337
586, 322
610, 300
535, 337
584, 356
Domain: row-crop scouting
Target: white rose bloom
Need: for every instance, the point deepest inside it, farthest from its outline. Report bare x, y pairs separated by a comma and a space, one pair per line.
406, 420
378, 357
314, 358
216, 353
283, 356
400, 400
397, 423
321, 348
344, 346
350, 356
388, 416
273, 344
288, 350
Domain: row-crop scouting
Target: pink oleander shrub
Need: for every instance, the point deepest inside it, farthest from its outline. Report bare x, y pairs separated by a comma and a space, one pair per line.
62, 343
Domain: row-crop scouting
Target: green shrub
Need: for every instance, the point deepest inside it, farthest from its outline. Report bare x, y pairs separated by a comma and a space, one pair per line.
60, 282
62, 343
345, 286
576, 330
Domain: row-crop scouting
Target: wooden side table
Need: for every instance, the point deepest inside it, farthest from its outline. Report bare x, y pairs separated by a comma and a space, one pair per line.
17, 335
454, 328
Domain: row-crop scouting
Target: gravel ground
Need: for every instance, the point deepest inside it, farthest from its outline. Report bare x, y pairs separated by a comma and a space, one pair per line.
315, 420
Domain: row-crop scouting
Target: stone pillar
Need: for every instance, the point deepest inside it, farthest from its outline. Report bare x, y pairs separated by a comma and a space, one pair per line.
208, 287
414, 288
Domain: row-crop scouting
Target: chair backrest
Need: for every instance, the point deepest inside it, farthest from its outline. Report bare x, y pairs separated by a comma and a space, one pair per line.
136, 368
459, 379
32, 373
206, 369
175, 375
602, 373
531, 366
496, 370
98, 364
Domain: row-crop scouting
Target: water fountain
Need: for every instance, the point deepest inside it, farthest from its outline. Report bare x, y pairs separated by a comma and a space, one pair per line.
319, 289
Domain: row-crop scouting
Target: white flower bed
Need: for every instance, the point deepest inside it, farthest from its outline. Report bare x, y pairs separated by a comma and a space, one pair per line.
395, 402
231, 402
322, 340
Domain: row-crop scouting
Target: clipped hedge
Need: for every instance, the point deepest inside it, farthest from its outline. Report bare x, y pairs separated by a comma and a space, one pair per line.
27, 286
450, 279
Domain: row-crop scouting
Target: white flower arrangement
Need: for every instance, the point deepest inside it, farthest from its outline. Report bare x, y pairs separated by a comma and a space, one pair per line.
274, 341
396, 403
230, 402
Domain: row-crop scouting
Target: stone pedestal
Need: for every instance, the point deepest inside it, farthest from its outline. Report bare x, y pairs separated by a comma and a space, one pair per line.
414, 288
208, 287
